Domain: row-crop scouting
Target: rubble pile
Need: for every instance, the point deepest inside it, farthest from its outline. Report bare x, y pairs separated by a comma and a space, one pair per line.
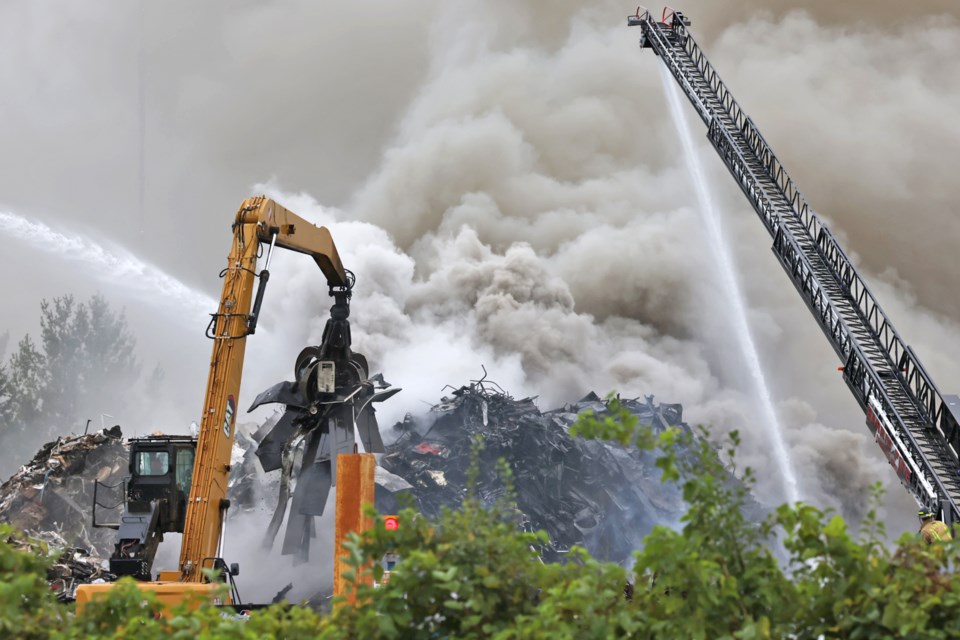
73, 565
593, 494
601, 496
248, 483
53, 493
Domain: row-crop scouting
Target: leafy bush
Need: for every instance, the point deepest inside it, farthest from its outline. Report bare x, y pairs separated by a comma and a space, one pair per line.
472, 574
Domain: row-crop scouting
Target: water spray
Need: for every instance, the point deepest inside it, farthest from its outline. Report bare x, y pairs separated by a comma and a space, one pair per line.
117, 267
748, 349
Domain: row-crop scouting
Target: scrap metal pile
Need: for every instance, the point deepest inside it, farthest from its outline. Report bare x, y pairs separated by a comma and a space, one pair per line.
49, 500
601, 496
53, 492
72, 565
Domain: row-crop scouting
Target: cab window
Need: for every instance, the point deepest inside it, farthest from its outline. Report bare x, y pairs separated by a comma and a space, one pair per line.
153, 463
184, 469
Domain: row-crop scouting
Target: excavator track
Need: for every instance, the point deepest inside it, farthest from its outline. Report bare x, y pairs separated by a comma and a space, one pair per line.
915, 425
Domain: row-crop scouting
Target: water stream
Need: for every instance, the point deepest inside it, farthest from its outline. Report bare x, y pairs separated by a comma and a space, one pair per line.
738, 314
117, 268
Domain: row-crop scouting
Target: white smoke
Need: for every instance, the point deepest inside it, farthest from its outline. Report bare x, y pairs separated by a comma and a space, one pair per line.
532, 215
529, 210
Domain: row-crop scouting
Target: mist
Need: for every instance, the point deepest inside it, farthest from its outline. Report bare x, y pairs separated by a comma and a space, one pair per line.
506, 184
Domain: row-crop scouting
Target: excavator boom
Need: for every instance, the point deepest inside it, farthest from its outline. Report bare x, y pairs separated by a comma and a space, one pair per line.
290, 231
259, 222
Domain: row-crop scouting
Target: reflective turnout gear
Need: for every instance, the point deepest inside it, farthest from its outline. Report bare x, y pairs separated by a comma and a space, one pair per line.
935, 531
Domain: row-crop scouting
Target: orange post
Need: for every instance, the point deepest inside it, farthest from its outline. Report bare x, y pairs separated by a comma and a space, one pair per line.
355, 489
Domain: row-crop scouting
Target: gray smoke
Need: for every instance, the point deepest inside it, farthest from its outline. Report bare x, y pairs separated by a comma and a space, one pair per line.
536, 188
505, 182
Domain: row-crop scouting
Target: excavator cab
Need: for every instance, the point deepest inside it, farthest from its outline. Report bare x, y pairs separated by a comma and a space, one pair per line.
161, 468
155, 501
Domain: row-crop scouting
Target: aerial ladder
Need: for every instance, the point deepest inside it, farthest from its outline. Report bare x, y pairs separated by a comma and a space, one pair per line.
913, 423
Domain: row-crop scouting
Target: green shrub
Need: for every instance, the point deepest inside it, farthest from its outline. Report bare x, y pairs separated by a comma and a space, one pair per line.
472, 574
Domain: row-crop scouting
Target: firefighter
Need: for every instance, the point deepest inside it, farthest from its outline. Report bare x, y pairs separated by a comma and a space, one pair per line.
932, 530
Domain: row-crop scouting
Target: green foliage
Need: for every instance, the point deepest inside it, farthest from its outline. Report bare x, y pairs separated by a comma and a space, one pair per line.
471, 574
616, 424
27, 608
715, 577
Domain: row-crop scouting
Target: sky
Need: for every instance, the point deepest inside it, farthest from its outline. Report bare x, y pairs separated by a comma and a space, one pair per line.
507, 184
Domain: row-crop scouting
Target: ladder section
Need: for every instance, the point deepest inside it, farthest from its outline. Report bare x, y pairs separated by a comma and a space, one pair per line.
916, 428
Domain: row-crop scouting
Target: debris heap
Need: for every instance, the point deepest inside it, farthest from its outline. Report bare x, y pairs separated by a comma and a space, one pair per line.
53, 493
51, 500
601, 496
594, 494
73, 565
248, 482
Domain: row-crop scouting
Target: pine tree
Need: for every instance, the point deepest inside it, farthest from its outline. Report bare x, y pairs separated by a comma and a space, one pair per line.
27, 383
110, 367
90, 358
6, 400
63, 347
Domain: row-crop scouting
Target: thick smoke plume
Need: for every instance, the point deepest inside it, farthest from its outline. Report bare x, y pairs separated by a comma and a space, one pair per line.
536, 207
504, 180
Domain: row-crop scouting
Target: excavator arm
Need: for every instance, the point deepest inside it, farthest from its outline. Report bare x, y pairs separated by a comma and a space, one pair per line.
290, 231
259, 221
278, 226
260, 225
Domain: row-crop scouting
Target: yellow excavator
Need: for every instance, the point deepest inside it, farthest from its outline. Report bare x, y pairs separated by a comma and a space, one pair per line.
179, 483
